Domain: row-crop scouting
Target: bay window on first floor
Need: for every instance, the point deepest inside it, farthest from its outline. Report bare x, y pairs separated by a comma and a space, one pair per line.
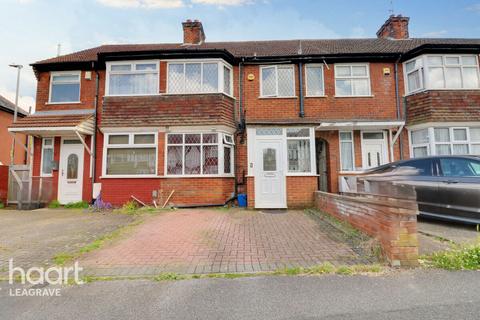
445, 140
130, 154
199, 154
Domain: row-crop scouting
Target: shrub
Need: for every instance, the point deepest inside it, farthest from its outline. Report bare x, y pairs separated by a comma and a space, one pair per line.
54, 204
130, 207
77, 205
459, 258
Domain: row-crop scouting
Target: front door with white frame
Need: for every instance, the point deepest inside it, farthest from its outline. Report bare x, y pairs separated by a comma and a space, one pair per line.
270, 178
70, 175
374, 149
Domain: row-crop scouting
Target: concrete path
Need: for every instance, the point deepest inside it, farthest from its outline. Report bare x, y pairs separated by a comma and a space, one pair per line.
422, 295
213, 240
33, 238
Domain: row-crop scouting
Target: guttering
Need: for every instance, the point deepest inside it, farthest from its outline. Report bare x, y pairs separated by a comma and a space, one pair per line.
397, 101
300, 90
441, 48
95, 127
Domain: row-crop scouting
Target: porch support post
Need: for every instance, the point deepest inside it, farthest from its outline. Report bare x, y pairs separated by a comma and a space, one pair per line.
393, 140
83, 142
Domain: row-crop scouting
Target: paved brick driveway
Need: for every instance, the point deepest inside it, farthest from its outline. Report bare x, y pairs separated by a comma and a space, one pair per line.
205, 241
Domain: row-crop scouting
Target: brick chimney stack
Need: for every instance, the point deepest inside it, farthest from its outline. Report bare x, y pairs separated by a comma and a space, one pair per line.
193, 32
396, 27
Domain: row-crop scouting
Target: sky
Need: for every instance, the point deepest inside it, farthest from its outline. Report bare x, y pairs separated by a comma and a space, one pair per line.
30, 30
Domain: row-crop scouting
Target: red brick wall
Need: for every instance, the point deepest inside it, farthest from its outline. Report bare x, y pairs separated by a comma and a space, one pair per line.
445, 105
381, 106
300, 191
6, 141
3, 184
391, 221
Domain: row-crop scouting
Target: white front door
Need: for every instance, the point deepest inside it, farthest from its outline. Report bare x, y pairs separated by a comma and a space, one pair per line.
374, 149
70, 175
270, 191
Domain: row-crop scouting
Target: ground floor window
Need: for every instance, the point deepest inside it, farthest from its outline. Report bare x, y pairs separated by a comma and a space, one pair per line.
199, 154
298, 146
47, 156
131, 154
445, 141
347, 162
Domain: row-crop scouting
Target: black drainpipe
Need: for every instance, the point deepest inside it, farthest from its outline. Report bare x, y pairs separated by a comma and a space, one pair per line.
397, 100
300, 83
94, 137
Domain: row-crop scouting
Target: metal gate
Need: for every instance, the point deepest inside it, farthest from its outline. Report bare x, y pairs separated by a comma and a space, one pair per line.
25, 191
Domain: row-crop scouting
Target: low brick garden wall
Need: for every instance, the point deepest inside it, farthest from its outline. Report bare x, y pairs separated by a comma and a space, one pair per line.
393, 222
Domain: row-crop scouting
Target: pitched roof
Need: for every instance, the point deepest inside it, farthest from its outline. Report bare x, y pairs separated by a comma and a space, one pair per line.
6, 104
34, 121
271, 48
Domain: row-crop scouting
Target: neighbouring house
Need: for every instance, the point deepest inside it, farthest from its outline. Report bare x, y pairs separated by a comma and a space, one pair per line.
276, 120
7, 110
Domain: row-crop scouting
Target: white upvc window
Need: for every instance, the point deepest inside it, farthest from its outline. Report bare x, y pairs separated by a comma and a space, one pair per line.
197, 77
347, 153
442, 72
65, 87
314, 80
46, 162
277, 81
199, 154
130, 154
299, 150
352, 80
445, 141
130, 78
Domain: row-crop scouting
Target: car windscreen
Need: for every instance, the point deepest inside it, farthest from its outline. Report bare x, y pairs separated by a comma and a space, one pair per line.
458, 167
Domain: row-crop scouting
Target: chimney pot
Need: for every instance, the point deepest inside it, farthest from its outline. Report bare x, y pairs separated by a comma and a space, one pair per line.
396, 27
193, 32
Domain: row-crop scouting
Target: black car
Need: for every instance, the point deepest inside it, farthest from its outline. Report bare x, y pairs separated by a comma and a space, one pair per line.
447, 187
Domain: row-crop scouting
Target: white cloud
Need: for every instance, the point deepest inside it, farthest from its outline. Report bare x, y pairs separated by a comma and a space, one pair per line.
24, 102
223, 2
435, 34
155, 4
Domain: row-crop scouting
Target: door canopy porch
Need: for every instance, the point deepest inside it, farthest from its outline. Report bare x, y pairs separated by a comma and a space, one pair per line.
359, 125
54, 125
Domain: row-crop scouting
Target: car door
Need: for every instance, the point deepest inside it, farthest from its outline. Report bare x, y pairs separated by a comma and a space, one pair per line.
460, 187
423, 175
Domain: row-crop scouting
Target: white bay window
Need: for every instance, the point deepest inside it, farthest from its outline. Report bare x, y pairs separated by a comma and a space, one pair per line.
197, 154
132, 78
130, 154
438, 72
194, 77
445, 141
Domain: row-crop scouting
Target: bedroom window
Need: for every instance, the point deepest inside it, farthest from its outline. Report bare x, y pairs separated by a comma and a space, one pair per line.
132, 78
65, 87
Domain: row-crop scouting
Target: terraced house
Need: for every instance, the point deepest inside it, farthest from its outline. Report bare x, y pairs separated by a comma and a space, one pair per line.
276, 120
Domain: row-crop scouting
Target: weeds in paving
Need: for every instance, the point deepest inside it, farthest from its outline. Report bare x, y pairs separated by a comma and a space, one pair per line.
169, 276
77, 205
459, 257
328, 268
2, 205
54, 204
63, 258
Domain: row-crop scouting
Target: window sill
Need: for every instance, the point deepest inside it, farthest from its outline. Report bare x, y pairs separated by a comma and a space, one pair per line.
292, 97
351, 172
369, 96
134, 95
310, 97
199, 176
130, 176
309, 174
67, 102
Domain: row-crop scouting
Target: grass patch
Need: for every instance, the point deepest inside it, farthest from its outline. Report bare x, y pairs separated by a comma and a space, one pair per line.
54, 204
77, 205
63, 258
459, 257
328, 268
2, 205
169, 276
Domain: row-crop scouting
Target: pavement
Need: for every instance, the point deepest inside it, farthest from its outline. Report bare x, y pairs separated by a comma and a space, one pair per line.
409, 295
216, 240
436, 235
33, 238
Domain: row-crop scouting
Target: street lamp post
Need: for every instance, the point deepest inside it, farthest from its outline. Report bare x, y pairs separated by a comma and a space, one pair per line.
19, 68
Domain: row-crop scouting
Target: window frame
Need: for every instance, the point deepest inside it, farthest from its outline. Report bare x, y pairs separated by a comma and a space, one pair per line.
311, 139
351, 77
421, 71
60, 73
314, 65
42, 174
276, 96
352, 141
220, 75
132, 63
130, 144
220, 145
425, 75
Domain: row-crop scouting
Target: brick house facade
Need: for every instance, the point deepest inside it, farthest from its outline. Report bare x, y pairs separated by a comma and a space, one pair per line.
277, 120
